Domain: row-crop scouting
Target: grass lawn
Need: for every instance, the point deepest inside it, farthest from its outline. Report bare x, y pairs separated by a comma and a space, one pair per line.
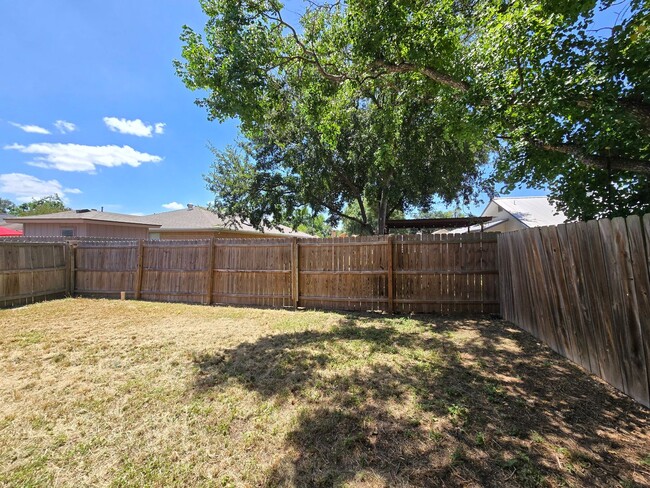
110, 393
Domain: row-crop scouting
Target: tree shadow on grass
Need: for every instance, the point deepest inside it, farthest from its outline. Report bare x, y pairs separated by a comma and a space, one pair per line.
436, 402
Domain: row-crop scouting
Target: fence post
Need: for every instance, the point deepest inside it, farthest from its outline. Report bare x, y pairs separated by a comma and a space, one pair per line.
66, 257
210, 273
391, 291
139, 270
295, 273
73, 265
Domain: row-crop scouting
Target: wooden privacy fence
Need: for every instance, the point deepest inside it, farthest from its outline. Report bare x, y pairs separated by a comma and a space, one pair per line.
583, 288
31, 272
430, 273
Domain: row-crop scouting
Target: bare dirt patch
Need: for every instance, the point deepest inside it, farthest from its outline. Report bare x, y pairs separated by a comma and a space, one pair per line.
111, 393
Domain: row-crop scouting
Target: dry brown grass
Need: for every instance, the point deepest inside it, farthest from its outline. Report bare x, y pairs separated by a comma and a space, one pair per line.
97, 392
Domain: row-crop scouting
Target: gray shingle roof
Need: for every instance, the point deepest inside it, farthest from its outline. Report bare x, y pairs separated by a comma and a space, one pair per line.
91, 215
199, 218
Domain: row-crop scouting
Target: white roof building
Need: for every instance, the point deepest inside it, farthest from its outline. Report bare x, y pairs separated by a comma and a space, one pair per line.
517, 213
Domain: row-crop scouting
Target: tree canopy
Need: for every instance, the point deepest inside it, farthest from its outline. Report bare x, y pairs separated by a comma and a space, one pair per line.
41, 206
6, 206
566, 100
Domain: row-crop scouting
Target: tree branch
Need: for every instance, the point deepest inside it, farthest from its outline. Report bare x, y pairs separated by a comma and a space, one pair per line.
347, 182
313, 57
596, 160
343, 215
593, 160
638, 107
430, 73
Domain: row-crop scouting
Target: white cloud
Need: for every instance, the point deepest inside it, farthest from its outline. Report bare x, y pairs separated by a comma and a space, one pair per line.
24, 188
77, 157
32, 129
133, 127
173, 206
64, 127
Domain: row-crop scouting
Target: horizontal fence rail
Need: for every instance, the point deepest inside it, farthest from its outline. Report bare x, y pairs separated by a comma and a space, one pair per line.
583, 288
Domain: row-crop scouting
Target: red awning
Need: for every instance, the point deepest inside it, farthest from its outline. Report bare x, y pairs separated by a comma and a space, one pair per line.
4, 232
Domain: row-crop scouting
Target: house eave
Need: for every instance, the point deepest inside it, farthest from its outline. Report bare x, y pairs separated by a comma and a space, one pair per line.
19, 220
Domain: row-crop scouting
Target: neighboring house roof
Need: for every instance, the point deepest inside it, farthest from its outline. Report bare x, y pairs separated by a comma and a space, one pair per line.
6, 232
201, 219
5, 224
72, 216
531, 211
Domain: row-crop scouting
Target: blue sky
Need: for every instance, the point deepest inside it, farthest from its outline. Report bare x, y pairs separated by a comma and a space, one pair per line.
123, 132
84, 61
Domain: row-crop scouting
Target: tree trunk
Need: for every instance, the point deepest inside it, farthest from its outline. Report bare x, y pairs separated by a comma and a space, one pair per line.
382, 214
362, 210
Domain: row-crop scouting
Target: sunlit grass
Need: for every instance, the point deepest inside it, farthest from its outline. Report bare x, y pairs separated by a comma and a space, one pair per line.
112, 393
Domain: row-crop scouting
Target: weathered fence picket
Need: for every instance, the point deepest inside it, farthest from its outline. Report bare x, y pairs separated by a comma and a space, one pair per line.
32, 272
584, 289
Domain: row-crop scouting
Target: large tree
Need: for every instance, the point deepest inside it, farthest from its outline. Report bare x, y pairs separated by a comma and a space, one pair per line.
558, 91
315, 143
380, 156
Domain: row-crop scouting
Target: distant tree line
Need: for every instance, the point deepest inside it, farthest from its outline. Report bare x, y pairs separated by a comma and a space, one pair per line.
40, 206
